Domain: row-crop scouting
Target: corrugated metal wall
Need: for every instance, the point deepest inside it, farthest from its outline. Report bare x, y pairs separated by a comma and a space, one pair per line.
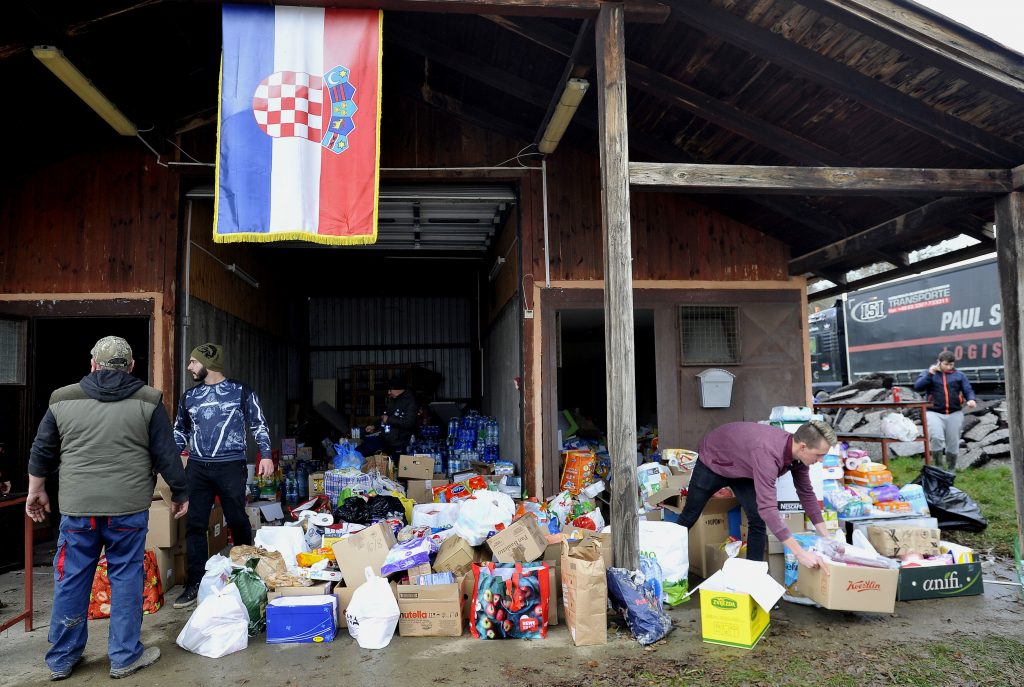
435, 332
501, 347
251, 356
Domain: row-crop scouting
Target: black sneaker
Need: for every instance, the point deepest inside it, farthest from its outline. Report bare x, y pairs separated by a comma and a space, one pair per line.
188, 597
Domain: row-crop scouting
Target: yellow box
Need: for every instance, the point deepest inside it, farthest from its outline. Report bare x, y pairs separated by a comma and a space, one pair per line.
731, 619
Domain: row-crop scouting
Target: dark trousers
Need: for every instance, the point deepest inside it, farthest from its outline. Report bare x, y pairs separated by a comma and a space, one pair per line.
206, 480
703, 485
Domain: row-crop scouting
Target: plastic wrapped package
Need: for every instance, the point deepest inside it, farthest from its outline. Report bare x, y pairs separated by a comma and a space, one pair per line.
642, 610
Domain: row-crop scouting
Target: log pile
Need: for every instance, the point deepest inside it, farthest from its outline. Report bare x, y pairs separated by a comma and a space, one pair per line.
984, 436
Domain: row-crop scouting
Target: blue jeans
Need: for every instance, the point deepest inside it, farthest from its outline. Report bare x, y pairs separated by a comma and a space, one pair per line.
704, 482
207, 479
78, 551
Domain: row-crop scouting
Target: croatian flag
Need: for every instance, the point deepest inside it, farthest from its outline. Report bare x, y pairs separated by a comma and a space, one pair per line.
299, 125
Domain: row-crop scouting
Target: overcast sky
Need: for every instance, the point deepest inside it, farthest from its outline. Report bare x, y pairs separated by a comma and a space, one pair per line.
1001, 20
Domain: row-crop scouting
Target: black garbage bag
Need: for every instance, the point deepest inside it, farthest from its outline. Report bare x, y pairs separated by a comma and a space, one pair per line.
363, 510
952, 507
384, 507
354, 509
636, 601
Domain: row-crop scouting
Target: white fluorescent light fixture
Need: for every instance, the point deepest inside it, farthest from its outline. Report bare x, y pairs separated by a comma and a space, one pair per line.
573, 94
54, 60
493, 274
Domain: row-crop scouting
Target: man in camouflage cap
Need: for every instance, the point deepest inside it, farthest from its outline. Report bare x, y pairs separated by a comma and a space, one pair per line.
107, 434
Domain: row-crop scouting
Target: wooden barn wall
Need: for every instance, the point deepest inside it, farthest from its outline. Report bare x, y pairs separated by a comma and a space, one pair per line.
97, 225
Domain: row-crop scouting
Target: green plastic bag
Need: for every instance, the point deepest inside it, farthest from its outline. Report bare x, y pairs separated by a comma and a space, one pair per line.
254, 595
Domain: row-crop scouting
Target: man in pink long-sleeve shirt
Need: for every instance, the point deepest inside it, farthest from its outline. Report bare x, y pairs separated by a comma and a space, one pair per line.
750, 458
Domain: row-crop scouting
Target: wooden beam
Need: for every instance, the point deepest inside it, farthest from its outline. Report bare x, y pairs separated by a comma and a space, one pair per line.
618, 283
468, 113
899, 230
641, 11
1010, 240
835, 181
468, 65
1018, 177
909, 34
967, 253
847, 81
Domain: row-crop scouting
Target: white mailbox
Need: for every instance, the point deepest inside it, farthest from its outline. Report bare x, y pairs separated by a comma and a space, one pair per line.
716, 388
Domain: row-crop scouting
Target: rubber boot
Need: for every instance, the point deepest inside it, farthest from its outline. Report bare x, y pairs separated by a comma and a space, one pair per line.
937, 459
951, 462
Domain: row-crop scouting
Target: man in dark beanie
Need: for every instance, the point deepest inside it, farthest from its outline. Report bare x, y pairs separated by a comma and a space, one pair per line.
107, 435
399, 418
212, 419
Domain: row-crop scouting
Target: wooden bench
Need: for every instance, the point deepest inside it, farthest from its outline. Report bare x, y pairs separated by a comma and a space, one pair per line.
872, 438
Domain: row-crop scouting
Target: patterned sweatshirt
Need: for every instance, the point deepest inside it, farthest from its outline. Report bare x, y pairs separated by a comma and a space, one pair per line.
212, 419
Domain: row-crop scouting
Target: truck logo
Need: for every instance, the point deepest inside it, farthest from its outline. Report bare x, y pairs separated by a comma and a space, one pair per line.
724, 603
868, 311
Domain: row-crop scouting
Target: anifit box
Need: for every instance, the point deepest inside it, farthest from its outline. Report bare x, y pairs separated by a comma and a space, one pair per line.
940, 582
301, 619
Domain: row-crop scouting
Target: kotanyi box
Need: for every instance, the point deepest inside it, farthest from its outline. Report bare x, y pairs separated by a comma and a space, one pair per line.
850, 588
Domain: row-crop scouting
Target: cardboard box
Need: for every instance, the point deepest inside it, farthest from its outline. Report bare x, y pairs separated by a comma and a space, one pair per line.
522, 541
430, 610
457, 556
711, 528
850, 525
669, 497
785, 490
714, 558
415, 571
777, 567
302, 619
422, 490
940, 582
735, 603
288, 446
318, 589
217, 534
163, 528
366, 548
897, 541
850, 588
316, 484
180, 568
165, 565
304, 453
794, 520
416, 467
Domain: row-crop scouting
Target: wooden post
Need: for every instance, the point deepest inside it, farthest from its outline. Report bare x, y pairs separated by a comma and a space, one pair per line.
1010, 247
618, 283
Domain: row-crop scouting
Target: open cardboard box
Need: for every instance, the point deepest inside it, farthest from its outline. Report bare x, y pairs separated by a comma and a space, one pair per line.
850, 587
736, 602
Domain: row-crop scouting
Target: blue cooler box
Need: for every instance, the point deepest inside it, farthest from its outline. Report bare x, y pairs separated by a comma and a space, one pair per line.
301, 619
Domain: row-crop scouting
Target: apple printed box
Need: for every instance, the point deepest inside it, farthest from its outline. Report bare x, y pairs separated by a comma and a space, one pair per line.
850, 588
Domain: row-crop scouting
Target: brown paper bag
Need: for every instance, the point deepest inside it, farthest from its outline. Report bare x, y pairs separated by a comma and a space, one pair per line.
585, 592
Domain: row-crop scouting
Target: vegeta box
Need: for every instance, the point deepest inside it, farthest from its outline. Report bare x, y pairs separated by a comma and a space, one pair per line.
301, 619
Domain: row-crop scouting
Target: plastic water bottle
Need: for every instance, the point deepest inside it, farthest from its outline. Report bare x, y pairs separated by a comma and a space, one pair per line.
302, 477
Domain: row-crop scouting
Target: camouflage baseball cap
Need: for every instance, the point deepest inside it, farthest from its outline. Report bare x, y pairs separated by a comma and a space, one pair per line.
113, 352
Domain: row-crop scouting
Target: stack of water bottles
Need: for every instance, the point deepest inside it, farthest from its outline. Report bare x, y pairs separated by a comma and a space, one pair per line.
470, 438
296, 483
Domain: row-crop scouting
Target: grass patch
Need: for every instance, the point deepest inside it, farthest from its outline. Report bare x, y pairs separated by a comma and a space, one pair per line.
992, 488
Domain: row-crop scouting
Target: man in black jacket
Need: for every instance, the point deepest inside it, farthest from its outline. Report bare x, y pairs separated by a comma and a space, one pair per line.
399, 418
107, 435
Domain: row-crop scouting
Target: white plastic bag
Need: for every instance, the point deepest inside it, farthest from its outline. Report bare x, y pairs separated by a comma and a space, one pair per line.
668, 543
436, 515
372, 615
219, 626
290, 541
480, 515
217, 576
899, 427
